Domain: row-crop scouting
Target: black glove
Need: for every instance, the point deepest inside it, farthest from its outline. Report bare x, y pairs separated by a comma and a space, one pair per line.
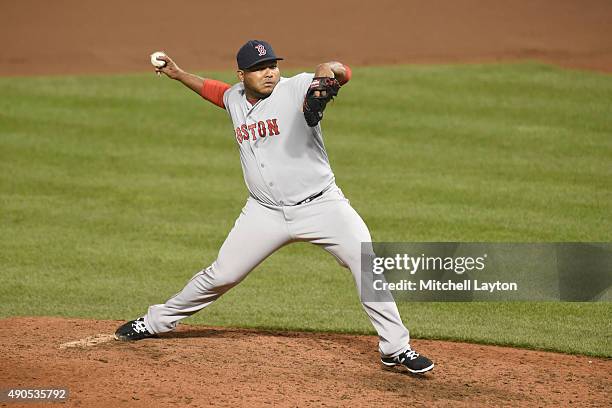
320, 91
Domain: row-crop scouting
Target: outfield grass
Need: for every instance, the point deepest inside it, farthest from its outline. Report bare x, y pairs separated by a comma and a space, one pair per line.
116, 189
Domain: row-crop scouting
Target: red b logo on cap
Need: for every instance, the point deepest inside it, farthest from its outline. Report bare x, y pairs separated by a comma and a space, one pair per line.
261, 49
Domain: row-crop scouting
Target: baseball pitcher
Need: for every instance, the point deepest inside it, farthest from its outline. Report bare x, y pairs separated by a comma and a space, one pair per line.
292, 192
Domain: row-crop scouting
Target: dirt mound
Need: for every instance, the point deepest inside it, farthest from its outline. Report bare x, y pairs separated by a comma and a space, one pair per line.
204, 366
73, 36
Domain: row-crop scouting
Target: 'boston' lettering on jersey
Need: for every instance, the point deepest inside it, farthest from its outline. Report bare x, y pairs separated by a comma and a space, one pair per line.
261, 128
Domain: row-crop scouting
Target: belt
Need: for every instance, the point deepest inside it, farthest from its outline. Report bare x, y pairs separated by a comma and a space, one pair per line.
309, 199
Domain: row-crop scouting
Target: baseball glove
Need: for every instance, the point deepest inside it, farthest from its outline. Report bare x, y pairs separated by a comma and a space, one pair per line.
320, 91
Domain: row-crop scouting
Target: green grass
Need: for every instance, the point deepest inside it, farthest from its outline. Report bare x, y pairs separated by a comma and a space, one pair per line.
114, 190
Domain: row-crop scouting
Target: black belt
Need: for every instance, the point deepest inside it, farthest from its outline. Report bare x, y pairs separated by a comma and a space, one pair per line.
309, 199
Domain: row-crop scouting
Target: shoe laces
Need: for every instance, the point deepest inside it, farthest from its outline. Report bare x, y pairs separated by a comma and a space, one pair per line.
139, 326
409, 354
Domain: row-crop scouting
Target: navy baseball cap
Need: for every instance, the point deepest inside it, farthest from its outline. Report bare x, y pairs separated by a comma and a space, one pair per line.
254, 52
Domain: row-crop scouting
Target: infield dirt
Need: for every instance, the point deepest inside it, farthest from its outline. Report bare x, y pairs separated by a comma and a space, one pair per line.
200, 366
207, 366
74, 37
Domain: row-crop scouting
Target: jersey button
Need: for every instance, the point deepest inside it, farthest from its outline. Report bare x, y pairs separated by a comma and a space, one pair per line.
271, 184
281, 202
262, 165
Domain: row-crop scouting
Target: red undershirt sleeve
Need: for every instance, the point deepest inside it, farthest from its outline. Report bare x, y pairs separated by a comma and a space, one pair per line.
213, 91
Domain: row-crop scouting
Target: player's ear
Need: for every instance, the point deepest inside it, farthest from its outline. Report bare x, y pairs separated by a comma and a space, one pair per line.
240, 75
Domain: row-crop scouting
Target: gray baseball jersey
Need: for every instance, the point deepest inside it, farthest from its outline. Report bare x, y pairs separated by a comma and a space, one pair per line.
283, 159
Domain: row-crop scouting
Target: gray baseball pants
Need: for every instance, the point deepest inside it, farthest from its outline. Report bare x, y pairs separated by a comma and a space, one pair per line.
328, 221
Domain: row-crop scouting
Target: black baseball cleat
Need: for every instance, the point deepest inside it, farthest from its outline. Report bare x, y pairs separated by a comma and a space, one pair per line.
411, 360
133, 330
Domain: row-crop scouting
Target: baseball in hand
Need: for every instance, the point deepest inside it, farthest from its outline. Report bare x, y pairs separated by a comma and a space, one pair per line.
157, 63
